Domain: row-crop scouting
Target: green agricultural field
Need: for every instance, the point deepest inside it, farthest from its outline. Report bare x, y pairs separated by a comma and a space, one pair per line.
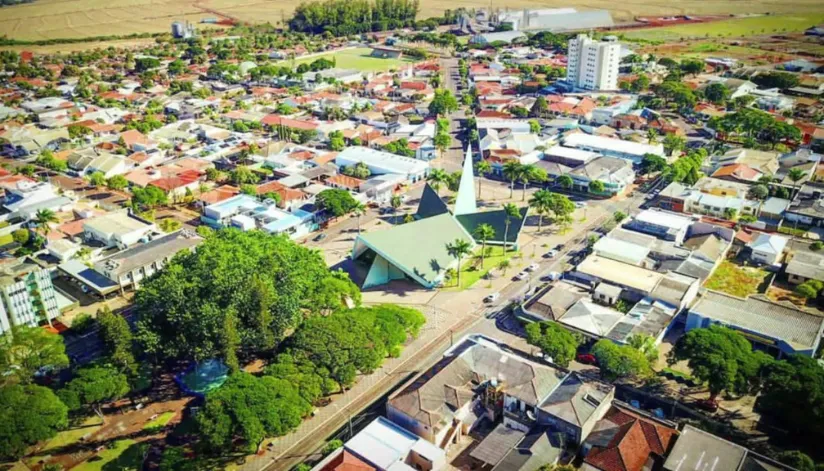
737, 27
357, 58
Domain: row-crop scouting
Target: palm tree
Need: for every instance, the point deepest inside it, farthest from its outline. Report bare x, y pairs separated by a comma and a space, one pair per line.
510, 212
503, 265
395, 202
359, 210
43, 218
459, 249
484, 232
512, 172
796, 175
437, 178
482, 167
541, 201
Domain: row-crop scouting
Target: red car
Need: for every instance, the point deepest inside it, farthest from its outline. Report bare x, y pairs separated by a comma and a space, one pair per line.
586, 358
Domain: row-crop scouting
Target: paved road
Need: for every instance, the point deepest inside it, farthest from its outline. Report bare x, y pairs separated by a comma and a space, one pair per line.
453, 157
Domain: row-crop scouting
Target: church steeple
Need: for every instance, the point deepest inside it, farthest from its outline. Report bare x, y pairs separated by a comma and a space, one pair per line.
465, 203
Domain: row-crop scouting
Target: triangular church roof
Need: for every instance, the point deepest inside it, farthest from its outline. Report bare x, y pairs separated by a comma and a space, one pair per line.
431, 204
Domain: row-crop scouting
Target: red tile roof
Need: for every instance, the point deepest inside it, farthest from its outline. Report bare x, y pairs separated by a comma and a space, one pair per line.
345, 181
346, 461
634, 440
184, 178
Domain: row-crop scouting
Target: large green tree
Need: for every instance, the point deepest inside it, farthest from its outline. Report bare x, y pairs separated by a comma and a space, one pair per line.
116, 336
620, 361
27, 349
249, 408
554, 341
337, 201
721, 357
28, 414
793, 394
239, 292
93, 386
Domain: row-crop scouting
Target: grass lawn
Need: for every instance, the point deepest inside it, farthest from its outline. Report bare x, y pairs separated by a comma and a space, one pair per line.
471, 270
73, 435
734, 27
161, 421
736, 280
66, 438
358, 58
123, 455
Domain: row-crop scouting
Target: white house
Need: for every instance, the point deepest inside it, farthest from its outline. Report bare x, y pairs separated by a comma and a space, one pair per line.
767, 248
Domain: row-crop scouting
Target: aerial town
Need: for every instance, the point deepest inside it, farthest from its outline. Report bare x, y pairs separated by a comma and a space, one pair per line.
358, 237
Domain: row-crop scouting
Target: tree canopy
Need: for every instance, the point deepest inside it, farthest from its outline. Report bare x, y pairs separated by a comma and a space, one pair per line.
27, 350
620, 361
29, 414
793, 394
239, 292
721, 357
94, 385
249, 408
337, 201
554, 341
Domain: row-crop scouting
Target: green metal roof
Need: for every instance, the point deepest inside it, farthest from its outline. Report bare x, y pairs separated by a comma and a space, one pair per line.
431, 204
496, 219
418, 248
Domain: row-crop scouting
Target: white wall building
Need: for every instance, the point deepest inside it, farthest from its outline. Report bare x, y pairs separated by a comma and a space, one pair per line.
593, 65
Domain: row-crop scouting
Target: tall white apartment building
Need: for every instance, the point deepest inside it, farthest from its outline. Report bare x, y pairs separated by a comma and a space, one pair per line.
593, 65
27, 299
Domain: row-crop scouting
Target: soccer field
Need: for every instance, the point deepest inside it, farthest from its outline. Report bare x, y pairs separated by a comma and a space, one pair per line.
356, 58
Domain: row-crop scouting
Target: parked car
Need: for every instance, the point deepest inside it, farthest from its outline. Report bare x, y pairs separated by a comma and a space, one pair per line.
553, 276
532, 267
706, 405
521, 276
551, 254
586, 358
492, 298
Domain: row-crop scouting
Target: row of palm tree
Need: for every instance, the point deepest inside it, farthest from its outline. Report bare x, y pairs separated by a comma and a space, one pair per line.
524, 174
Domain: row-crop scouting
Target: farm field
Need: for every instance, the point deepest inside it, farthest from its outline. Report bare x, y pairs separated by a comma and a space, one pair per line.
356, 58
81, 46
734, 28
52, 19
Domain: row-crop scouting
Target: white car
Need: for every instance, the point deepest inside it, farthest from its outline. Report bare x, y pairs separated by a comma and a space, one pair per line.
492, 298
551, 254
521, 276
532, 267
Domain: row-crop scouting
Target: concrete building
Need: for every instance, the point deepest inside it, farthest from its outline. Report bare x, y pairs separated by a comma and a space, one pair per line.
247, 213
28, 298
117, 229
775, 328
381, 163
593, 65
384, 446
478, 380
627, 150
